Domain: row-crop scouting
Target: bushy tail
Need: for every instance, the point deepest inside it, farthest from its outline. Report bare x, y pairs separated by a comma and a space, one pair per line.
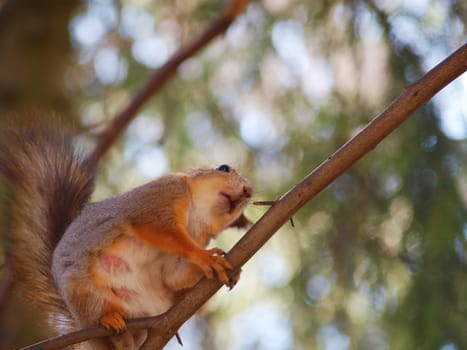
51, 185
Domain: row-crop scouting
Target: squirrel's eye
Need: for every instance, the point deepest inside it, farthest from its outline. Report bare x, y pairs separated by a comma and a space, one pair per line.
224, 168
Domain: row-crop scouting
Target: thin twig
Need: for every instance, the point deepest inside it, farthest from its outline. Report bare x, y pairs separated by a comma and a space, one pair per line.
270, 203
218, 26
93, 332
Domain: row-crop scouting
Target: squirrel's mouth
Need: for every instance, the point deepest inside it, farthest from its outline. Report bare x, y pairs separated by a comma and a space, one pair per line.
237, 199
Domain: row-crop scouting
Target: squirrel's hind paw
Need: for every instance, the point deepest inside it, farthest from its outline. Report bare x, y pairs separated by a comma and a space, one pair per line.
113, 320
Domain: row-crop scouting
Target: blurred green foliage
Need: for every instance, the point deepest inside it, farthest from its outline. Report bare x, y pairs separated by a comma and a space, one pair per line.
376, 261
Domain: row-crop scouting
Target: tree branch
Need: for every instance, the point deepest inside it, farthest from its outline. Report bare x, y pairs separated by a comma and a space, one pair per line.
6, 283
164, 327
367, 139
218, 26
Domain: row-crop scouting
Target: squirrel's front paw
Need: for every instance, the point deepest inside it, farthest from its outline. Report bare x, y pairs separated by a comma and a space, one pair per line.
212, 260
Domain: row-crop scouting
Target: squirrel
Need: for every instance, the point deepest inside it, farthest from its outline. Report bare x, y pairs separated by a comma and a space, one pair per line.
101, 263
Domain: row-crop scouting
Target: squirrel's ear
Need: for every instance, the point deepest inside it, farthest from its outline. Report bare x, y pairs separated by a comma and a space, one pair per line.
241, 222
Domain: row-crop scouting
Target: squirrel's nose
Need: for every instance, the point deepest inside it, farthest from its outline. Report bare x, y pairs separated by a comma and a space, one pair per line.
247, 191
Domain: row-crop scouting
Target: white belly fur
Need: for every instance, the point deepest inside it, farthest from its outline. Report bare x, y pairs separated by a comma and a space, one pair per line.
137, 281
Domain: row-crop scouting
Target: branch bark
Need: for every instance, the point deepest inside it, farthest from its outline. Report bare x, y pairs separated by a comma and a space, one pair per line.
164, 327
367, 139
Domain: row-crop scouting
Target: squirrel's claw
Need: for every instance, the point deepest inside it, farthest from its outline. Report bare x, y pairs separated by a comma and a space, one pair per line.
232, 282
216, 251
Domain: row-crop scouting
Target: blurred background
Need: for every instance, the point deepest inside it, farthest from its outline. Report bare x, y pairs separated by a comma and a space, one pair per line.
376, 261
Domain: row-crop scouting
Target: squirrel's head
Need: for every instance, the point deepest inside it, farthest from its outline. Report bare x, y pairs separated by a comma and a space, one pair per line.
219, 195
